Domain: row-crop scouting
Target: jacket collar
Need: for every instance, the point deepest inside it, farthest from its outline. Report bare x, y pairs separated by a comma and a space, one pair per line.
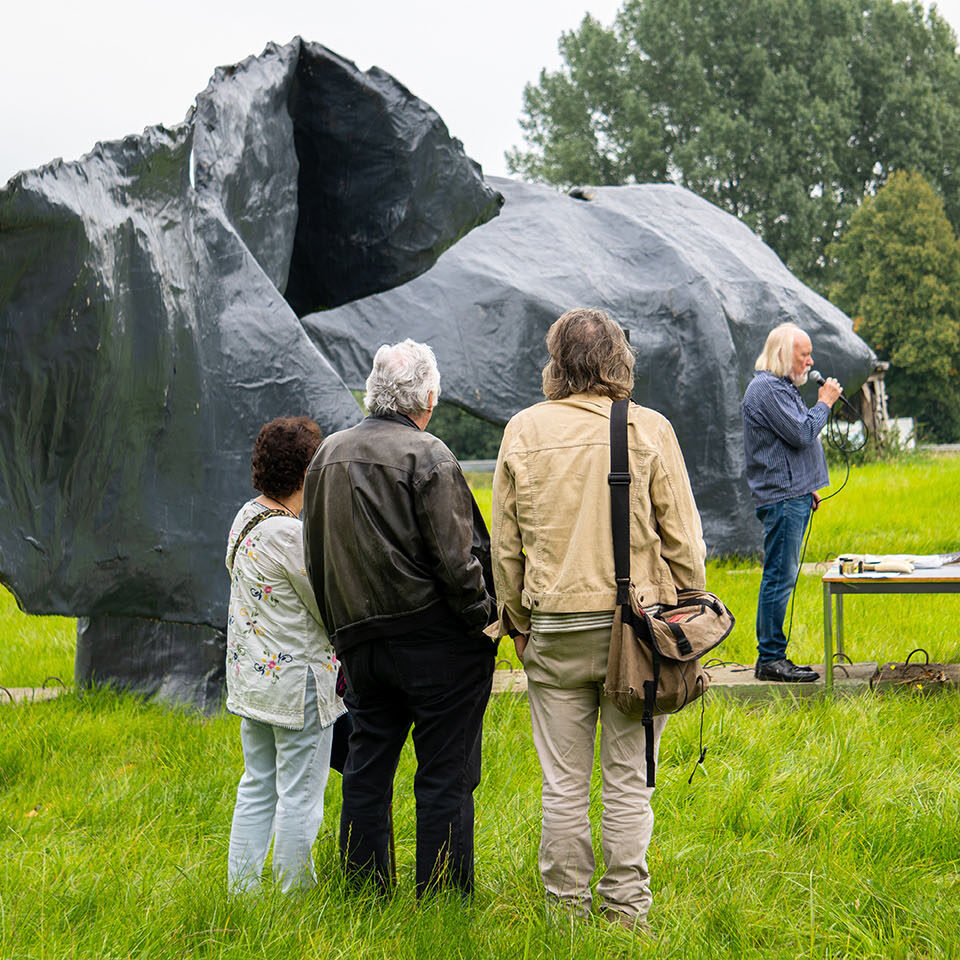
597, 398
396, 417
588, 401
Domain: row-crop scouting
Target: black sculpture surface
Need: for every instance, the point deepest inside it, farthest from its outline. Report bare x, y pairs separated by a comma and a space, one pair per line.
696, 288
149, 301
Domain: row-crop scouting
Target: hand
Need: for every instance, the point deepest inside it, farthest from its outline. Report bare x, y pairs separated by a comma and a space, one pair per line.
830, 392
816, 500
520, 644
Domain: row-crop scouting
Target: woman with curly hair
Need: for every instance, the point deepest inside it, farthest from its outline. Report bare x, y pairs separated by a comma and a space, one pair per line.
281, 669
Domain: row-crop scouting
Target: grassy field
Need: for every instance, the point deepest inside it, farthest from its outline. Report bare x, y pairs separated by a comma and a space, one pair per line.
814, 829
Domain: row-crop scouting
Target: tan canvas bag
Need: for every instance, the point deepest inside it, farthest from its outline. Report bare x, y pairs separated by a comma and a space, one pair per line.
654, 662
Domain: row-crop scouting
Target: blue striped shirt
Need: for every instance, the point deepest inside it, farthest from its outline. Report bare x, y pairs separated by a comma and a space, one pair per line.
781, 441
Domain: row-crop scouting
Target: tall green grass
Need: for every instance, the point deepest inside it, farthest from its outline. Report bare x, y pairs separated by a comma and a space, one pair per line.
813, 830
911, 505
34, 648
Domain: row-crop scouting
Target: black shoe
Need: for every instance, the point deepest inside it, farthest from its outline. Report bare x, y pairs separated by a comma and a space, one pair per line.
784, 671
805, 669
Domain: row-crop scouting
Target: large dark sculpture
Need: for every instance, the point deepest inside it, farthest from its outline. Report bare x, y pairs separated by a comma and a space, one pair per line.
149, 301
696, 288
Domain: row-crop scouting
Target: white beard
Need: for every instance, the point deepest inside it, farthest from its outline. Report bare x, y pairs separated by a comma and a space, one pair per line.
799, 381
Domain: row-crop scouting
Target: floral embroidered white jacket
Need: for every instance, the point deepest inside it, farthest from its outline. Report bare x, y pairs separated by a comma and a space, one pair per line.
275, 638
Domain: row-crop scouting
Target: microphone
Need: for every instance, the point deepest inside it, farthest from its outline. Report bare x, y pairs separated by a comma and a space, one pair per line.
818, 378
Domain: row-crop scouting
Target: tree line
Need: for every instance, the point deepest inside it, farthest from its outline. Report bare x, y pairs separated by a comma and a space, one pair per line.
792, 115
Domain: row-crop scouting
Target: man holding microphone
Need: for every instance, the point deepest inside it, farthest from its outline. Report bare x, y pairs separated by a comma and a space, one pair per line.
785, 468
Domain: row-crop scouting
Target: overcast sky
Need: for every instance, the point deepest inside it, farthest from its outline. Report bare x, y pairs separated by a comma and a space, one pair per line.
73, 73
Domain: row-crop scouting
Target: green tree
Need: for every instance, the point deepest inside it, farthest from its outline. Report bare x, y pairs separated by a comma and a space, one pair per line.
896, 271
783, 112
469, 437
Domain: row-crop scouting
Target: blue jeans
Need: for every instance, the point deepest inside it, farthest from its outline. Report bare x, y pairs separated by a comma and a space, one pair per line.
784, 524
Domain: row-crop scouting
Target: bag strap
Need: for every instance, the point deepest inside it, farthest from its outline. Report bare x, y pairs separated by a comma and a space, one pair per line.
259, 518
649, 705
683, 644
619, 480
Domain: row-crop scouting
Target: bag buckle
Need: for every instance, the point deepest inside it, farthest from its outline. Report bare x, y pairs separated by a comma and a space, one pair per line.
623, 591
616, 479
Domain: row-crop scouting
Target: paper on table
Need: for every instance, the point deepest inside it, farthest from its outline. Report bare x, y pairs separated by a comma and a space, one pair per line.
930, 561
923, 561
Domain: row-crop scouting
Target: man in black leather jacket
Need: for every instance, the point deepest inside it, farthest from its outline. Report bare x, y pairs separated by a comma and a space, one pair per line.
396, 551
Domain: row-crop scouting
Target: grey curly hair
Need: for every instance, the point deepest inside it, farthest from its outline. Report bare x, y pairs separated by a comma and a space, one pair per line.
403, 377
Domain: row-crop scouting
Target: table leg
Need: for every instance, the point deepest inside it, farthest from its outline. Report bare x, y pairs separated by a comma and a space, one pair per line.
840, 623
827, 638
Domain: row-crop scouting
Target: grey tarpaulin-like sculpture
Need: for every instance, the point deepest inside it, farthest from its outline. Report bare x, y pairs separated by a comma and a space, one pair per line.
149, 301
696, 288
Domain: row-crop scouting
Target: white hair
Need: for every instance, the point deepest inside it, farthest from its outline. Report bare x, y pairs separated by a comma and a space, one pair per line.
777, 354
403, 377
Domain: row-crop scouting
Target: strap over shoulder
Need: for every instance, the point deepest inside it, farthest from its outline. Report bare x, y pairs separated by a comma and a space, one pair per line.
619, 479
259, 518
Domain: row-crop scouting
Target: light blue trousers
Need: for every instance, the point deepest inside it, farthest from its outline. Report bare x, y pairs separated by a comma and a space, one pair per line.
280, 798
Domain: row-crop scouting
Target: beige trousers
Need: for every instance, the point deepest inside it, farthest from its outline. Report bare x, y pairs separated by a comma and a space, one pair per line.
565, 673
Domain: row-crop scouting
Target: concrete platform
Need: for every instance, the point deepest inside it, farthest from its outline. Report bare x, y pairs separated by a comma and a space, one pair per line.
733, 680
737, 680
30, 694
509, 681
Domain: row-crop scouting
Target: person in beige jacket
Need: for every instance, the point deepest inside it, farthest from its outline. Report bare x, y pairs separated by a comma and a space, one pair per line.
553, 569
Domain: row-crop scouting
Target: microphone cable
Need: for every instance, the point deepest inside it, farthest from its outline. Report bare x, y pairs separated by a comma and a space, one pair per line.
839, 438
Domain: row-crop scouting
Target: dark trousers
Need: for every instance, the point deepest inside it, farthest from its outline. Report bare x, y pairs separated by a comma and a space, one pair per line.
441, 687
784, 525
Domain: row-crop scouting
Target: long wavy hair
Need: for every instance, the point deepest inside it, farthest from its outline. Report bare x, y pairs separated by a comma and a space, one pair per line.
588, 354
777, 354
